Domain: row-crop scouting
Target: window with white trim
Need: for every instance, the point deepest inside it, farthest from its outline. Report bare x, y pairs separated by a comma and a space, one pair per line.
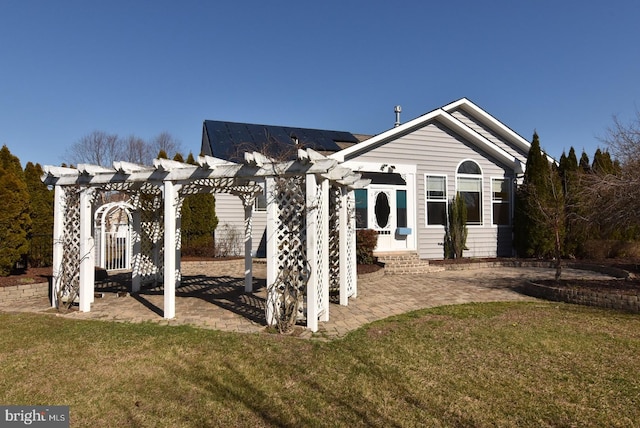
469, 187
260, 203
501, 201
436, 197
362, 208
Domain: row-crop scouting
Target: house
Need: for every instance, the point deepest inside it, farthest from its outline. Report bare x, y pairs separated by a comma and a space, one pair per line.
415, 168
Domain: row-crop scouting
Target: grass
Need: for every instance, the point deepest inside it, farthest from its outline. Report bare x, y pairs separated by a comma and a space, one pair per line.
498, 364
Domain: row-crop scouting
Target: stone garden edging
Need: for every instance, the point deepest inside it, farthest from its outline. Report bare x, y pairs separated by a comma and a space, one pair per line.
582, 296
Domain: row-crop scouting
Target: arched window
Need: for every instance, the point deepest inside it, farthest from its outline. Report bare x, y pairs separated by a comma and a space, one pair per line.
469, 187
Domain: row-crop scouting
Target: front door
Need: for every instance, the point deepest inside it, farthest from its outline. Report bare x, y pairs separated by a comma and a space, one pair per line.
382, 218
386, 206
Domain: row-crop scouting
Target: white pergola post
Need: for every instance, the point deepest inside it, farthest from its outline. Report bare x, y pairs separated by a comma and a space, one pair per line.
248, 243
344, 244
312, 259
324, 233
87, 256
136, 274
59, 207
171, 280
353, 264
272, 249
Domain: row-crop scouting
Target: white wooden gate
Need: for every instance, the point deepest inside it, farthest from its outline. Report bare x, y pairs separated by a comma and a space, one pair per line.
113, 223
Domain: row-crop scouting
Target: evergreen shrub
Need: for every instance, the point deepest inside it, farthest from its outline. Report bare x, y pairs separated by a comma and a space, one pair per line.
366, 241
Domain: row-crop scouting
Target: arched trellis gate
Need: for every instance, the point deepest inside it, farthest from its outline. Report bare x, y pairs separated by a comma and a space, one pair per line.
310, 224
112, 231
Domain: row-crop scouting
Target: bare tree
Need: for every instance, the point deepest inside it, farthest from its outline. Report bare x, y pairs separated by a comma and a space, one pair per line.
137, 150
613, 196
165, 141
98, 147
102, 148
623, 140
546, 202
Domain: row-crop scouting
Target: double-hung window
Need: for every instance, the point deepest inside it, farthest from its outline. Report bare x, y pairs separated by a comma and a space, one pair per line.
501, 201
436, 197
260, 203
469, 187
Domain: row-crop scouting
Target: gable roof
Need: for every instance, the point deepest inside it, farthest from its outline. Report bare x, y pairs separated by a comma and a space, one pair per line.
443, 115
229, 140
489, 121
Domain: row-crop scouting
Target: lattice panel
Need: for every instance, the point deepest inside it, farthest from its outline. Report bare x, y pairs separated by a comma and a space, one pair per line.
150, 262
290, 236
69, 280
334, 238
321, 208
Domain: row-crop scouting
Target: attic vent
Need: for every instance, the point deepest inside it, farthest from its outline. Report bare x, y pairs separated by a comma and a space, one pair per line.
397, 110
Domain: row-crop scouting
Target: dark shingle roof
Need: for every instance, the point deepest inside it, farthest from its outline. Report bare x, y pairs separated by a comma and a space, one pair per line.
229, 140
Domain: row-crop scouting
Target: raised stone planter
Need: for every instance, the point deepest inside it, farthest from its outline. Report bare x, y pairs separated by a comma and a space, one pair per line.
581, 296
16, 293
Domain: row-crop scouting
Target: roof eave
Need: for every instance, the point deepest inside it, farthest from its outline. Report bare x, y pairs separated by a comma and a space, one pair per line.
491, 121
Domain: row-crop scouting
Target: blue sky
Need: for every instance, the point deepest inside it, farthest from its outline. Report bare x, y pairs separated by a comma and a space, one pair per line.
563, 68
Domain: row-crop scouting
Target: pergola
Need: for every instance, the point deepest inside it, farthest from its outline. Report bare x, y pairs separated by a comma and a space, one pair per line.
310, 225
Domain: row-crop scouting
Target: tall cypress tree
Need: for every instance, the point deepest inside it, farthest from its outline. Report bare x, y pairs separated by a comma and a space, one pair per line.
584, 162
602, 163
15, 222
576, 228
41, 212
531, 237
199, 220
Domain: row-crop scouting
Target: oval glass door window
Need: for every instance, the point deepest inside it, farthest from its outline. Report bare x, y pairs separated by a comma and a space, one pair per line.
382, 210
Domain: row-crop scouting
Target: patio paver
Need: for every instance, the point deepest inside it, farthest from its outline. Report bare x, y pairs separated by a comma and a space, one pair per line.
212, 296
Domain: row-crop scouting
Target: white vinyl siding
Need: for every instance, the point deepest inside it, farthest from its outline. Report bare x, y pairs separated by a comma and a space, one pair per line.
230, 231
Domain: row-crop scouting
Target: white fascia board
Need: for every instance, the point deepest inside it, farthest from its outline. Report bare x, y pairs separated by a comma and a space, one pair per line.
490, 121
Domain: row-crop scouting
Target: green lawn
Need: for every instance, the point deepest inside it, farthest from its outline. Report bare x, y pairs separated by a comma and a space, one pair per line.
499, 364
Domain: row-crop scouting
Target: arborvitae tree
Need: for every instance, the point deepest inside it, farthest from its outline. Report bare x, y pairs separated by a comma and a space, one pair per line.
15, 222
178, 157
455, 233
602, 163
162, 155
198, 221
584, 162
41, 212
575, 224
530, 239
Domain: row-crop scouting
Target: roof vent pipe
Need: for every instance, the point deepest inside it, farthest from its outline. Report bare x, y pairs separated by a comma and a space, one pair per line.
397, 110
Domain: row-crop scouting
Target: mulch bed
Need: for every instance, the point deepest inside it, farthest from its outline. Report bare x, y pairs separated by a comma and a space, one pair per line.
29, 276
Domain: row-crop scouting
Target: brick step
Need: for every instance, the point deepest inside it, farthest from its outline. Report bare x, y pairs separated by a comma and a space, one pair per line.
406, 264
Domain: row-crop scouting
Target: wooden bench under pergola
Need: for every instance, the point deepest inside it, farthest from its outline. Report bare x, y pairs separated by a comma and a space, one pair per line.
310, 225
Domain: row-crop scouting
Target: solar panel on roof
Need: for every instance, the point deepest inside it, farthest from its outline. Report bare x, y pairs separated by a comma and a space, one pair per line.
229, 138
